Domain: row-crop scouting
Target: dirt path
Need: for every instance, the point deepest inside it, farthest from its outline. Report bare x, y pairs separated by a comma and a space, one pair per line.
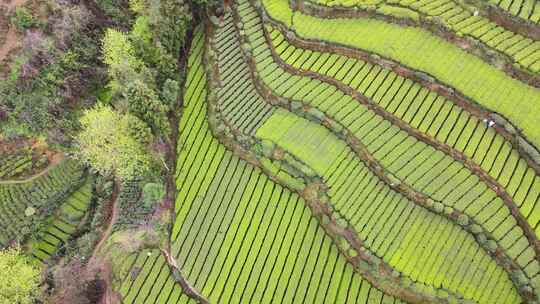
179, 278
10, 43
108, 296
112, 220
54, 160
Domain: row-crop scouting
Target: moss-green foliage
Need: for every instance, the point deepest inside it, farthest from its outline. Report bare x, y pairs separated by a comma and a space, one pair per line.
304, 139
116, 11
119, 55
469, 74
19, 278
114, 143
155, 56
145, 103
170, 92
143, 62
159, 33
169, 21
152, 193
137, 6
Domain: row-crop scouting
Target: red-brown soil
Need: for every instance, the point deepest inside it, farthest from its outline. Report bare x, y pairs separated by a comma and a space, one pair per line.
9, 41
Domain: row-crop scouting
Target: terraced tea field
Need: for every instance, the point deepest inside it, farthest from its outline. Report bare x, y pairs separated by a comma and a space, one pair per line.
461, 21
330, 154
42, 211
58, 228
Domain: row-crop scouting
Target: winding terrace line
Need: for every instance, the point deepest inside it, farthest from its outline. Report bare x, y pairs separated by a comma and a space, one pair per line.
432, 84
318, 208
382, 173
457, 155
505, 19
503, 88
396, 287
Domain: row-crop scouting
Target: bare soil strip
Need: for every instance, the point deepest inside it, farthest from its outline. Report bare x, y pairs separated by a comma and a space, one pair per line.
11, 40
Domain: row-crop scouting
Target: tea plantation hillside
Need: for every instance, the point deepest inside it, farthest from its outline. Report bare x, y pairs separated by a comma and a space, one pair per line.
320, 151
329, 154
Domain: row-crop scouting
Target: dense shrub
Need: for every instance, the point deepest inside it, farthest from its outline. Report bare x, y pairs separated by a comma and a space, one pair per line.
119, 55
114, 143
145, 103
170, 92
19, 279
116, 10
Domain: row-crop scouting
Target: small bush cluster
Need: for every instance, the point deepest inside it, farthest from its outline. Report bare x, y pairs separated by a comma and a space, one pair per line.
135, 202
23, 19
